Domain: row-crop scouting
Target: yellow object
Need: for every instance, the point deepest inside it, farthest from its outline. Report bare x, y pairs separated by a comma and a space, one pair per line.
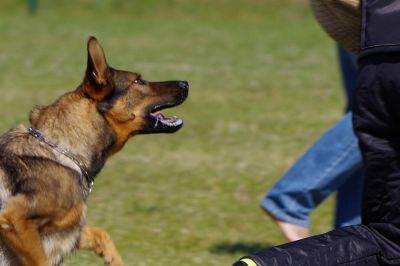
249, 262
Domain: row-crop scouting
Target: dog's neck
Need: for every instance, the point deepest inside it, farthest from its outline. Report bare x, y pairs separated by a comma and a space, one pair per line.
73, 122
80, 166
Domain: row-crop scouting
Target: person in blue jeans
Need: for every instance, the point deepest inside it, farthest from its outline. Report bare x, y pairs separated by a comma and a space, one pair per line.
332, 163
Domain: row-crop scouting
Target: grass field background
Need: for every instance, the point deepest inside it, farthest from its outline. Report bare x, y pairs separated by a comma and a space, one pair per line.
263, 86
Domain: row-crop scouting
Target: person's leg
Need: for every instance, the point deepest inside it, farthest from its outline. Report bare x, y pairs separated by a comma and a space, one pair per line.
349, 72
377, 124
320, 171
293, 218
348, 197
348, 201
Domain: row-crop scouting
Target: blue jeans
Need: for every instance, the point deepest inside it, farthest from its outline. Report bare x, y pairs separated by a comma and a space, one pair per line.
345, 214
333, 162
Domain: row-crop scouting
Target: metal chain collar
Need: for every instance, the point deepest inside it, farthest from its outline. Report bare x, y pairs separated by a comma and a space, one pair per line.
90, 180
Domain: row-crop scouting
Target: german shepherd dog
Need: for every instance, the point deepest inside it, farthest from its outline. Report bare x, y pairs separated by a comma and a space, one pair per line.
47, 170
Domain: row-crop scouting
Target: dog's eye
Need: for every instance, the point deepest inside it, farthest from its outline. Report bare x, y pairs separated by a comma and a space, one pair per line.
139, 81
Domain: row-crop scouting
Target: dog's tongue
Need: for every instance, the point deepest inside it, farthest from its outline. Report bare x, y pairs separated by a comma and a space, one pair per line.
158, 114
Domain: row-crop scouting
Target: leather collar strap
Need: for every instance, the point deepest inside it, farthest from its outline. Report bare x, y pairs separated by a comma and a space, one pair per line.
39, 136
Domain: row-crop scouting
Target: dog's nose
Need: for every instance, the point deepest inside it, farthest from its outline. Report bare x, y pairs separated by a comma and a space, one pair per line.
183, 85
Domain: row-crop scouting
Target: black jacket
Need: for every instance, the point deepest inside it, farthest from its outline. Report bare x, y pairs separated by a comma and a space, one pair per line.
376, 117
380, 26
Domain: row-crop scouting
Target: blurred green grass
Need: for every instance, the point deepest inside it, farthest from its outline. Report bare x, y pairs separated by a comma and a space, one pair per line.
264, 86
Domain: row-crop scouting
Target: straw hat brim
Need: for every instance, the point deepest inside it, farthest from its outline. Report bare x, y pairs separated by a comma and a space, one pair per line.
341, 19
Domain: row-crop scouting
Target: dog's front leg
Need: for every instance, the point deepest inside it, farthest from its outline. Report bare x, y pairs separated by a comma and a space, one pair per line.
100, 242
21, 234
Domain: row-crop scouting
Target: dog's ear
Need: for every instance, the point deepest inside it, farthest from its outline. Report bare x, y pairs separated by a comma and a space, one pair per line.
97, 71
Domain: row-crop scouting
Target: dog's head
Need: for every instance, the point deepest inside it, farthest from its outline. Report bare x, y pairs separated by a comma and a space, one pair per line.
130, 104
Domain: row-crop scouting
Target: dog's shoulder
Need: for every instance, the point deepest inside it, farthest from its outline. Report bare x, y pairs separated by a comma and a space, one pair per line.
18, 143
10, 144
15, 141
23, 158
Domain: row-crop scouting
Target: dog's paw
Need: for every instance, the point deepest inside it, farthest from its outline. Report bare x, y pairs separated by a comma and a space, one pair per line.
114, 260
4, 223
5, 226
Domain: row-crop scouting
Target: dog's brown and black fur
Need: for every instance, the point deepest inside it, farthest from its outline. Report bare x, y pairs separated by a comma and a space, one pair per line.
43, 191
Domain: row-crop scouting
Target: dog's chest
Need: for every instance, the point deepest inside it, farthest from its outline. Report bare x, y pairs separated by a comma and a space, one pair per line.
5, 192
59, 244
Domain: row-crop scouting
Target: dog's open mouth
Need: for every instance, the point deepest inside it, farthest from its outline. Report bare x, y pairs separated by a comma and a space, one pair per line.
160, 123
172, 123
174, 93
